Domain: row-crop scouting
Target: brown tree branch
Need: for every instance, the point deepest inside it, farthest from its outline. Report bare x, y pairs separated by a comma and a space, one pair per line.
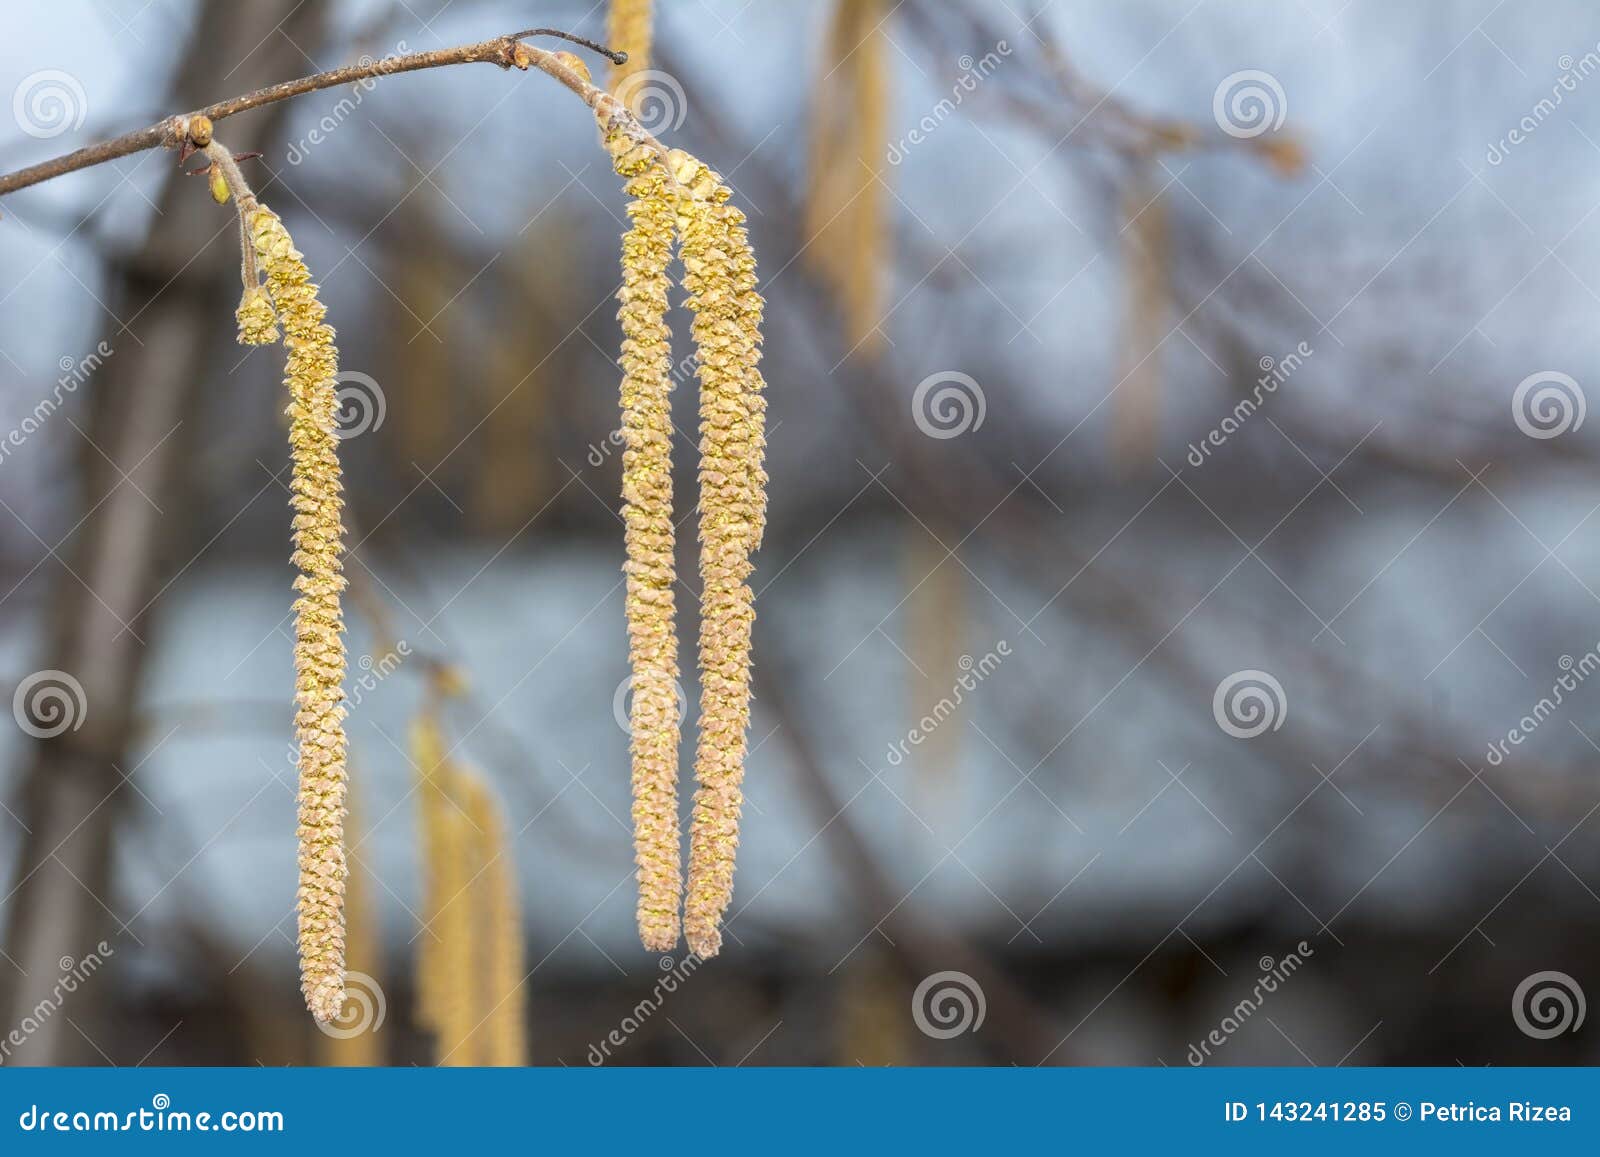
173, 131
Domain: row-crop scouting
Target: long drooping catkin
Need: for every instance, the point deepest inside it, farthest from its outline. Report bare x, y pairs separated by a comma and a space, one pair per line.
846, 224
647, 516
1136, 401
445, 988
359, 1044
501, 1037
319, 647
720, 278
628, 29
469, 963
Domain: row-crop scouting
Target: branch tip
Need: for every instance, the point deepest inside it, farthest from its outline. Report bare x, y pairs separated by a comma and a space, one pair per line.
612, 55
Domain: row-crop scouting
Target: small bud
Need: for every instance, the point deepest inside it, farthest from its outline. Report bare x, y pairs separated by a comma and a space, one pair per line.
574, 63
200, 131
219, 186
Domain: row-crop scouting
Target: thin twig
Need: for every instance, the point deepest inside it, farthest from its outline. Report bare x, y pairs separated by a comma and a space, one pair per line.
610, 54
173, 131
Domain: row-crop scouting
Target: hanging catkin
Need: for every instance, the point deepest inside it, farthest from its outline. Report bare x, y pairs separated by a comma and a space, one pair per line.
1136, 402
362, 1048
720, 279
258, 324
628, 29
845, 212
445, 954
500, 1037
470, 959
647, 516
319, 647
934, 619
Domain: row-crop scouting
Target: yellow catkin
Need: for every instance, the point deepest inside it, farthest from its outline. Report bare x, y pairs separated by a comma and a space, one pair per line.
647, 516
933, 617
1136, 399
500, 1038
470, 960
460, 963
258, 324
720, 279
319, 653
628, 29
847, 237
445, 993
865, 280
363, 946
871, 1026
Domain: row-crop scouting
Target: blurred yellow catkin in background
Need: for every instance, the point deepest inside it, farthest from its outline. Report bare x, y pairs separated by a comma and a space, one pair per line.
847, 238
499, 1034
628, 29
470, 952
362, 1047
1136, 404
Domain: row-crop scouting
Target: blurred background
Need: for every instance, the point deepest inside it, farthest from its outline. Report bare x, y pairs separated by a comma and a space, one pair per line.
1181, 580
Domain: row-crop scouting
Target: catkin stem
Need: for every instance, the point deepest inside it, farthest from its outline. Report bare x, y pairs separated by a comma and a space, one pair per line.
258, 321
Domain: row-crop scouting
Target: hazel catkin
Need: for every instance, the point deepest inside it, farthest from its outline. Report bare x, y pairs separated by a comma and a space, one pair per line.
319, 654
647, 516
